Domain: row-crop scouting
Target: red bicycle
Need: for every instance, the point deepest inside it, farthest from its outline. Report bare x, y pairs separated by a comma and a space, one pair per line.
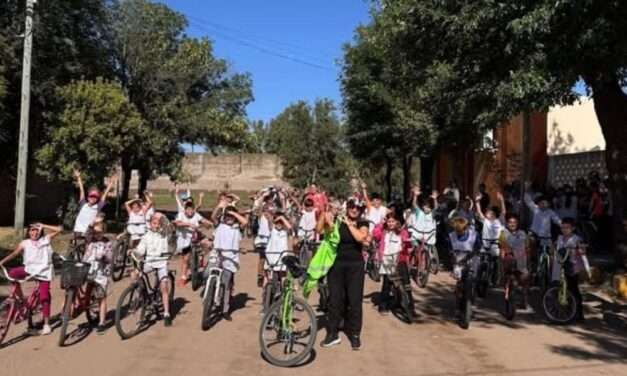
423, 260
15, 308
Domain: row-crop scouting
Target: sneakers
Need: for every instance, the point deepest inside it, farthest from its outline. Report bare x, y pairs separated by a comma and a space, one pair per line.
383, 309
355, 342
46, 330
100, 330
167, 321
227, 316
331, 340
260, 280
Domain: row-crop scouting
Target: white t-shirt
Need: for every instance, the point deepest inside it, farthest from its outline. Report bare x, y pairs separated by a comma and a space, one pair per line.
376, 215
465, 243
391, 250
227, 239
422, 226
184, 234
307, 225
277, 244
37, 256
542, 219
136, 225
86, 216
154, 247
492, 230
263, 233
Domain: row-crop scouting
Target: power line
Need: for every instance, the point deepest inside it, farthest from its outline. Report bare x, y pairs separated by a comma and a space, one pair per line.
287, 46
262, 49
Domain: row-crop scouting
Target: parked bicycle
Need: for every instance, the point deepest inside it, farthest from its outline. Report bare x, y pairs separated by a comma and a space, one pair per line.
16, 308
141, 301
217, 287
465, 274
82, 294
288, 329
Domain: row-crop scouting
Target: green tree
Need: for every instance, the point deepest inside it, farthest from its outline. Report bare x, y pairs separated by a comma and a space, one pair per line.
488, 60
183, 92
309, 141
97, 125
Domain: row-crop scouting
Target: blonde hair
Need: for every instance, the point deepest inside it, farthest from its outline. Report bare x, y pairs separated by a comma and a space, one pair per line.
459, 224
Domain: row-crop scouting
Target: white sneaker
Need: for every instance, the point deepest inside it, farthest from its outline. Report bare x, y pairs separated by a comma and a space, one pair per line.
46, 330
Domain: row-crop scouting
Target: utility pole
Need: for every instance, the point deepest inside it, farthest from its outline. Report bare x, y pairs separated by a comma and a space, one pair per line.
22, 161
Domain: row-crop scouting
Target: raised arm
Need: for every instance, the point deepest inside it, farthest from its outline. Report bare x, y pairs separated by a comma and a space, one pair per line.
478, 207
201, 195
127, 205
81, 187
149, 201
103, 199
179, 204
286, 223
240, 218
364, 192
359, 233
215, 215
501, 200
53, 231
325, 222
18, 249
528, 200
415, 193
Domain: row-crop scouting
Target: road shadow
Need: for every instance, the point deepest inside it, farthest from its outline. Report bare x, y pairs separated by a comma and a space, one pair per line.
238, 302
177, 306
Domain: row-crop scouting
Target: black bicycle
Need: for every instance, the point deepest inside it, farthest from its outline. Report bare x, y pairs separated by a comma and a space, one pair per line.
274, 276
77, 248
141, 301
307, 248
120, 256
216, 286
465, 287
544, 248
373, 264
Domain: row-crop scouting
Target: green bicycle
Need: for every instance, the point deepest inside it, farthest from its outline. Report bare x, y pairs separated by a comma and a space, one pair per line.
558, 302
288, 329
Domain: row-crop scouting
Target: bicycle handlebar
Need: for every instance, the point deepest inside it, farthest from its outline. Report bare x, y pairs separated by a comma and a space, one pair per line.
281, 256
14, 280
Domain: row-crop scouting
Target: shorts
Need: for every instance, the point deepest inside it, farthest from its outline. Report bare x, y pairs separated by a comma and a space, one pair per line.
184, 247
518, 264
162, 271
261, 250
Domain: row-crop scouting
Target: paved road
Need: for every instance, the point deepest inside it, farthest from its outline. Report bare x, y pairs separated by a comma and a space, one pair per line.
433, 346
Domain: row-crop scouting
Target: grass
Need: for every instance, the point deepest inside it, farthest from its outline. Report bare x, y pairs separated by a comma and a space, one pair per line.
164, 200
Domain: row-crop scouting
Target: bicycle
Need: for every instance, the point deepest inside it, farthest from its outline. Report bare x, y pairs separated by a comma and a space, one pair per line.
196, 260
511, 294
422, 259
213, 294
120, 256
373, 264
402, 293
82, 294
543, 267
488, 268
140, 301
77, 248
307, 247
289, 328
465, 273
558, 302
15, 308
272, 289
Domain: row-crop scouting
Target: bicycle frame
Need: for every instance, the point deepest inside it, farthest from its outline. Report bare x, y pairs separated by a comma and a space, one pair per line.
214, 274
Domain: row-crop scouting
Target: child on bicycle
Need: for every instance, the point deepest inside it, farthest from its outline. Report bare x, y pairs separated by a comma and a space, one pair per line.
463, 241
137, 212
261, 239
307, 222
187, 225
36, 252
421, 223
90, 206
569, 241
492, 220
514, 253
278, 242
543, 217
394, 249
155, 249
99, 254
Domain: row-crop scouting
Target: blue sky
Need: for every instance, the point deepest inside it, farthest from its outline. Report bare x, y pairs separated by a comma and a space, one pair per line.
290, 47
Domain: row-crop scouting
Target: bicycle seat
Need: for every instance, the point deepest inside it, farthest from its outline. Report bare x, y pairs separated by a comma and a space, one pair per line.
294, 266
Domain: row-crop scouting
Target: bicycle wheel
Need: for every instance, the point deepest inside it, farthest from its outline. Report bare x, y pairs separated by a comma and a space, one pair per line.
435, 260
287, 341
36, 315
193, 267
67, 315
207, 305
405, 303
556, 312
130, 312
422, 273
304, 255
542, 277
7, 311
510, 301
119, 260
466, 313
483, 282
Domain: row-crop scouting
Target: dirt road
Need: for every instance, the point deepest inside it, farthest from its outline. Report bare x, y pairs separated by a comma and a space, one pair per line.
433, 346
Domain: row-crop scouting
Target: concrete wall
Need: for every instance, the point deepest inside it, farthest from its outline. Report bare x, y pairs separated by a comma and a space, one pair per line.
244, 172
574, 129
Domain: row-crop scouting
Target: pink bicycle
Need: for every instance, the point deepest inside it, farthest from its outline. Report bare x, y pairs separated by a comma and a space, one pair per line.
15, 308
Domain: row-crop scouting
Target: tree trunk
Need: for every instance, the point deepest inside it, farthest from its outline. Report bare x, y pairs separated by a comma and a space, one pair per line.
426, 172
126, 181
389, 165
144, 175
408, 162
610, 105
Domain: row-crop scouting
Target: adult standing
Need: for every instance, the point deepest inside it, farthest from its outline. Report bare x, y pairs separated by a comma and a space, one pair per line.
346, 277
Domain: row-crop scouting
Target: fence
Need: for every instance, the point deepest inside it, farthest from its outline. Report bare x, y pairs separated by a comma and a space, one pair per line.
567, 168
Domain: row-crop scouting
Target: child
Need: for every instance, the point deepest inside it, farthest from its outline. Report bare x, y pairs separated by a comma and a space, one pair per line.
278, 243
464, 210
186, 197
492, 228
375, 211
137, 214
188, 222
307, 222
261, 240
154, 247
568, 241
393, 252
99, 254
463, 240
514, 253
37, 257
227, 238
89, 207
543, 215
421, 223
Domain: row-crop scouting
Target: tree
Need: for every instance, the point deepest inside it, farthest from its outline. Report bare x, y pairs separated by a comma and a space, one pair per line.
97, 125
309, 142
490, 60
386, 124
183, 92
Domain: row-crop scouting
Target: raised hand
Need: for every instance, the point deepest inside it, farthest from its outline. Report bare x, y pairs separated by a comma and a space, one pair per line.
499, 196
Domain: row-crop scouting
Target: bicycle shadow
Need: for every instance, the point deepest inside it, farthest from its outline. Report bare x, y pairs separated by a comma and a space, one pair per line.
309, 360
15, 340
239, 301
177, 306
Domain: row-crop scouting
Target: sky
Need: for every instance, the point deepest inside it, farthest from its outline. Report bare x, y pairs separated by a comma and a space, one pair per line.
291, 48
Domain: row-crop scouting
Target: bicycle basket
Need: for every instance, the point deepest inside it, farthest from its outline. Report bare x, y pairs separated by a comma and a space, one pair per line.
74, 273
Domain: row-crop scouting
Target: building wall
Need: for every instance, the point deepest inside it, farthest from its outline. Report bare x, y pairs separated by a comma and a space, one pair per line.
574, 129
